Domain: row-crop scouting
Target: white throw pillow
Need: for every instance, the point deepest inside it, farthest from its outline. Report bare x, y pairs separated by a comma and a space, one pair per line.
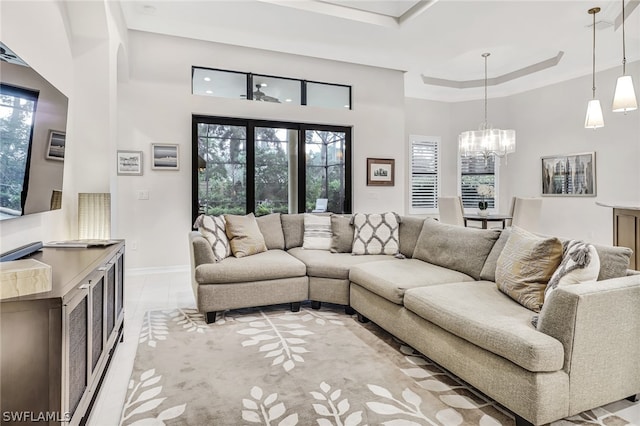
213, 229
580, 263
375, 233
317, 232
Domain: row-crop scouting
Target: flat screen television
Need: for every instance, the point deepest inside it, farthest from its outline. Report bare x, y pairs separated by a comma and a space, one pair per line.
33, 124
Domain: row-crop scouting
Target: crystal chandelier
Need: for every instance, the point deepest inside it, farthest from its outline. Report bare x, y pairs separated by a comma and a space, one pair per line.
487, 140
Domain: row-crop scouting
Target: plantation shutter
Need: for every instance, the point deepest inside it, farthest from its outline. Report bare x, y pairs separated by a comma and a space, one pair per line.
476, 170
424, 174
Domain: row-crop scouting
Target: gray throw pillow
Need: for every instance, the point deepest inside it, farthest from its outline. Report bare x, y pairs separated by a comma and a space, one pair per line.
271, 229
455, 247
409, 232
614, 261
488, 272
342, 234
293, 228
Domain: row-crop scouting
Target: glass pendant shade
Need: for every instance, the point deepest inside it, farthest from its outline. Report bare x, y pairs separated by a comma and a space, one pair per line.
594, 115
487, 141
625, 96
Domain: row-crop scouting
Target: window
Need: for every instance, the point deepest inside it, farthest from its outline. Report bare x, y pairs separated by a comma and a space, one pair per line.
425, 174
265, 88
242, 166
476, 169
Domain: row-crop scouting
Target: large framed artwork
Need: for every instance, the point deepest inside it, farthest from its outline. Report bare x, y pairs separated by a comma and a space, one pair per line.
380, 172
572, 175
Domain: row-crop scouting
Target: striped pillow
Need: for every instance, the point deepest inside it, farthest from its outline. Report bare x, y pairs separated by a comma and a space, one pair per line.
317, 232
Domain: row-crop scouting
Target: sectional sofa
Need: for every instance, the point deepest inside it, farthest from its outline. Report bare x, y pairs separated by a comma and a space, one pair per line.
439, 295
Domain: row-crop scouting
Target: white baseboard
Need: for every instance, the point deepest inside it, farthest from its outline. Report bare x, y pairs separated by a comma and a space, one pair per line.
134, 272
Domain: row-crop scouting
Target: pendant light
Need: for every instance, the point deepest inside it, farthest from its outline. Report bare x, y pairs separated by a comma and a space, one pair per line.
594, 111
625, 97
487, 141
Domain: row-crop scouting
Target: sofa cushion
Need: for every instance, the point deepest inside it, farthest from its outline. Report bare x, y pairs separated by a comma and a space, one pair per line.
268, 265
408, 233
526, 265
293, 229
341, 234
479, 313
317, 232
391, 278
375, 233
271, 229
455, 247
213, 229
324, 264
244, 235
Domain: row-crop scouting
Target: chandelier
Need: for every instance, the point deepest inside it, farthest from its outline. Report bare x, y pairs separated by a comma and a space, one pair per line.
487, 140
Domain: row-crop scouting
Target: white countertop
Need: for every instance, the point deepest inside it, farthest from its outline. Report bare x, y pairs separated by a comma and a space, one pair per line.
622, 205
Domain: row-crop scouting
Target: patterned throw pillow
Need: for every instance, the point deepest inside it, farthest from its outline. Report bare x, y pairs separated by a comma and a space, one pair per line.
375, 233
213, 229
526, 265
580, 263
317, 232
244, 235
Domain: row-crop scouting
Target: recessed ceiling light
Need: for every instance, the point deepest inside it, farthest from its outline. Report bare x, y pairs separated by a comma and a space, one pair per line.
346, 106
207, 79
208, 92
263, 84
287, 100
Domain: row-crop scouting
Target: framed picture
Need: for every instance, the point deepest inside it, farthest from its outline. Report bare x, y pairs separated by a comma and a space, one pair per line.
129, 163
572, 175
55, 147
165, 156
380, 172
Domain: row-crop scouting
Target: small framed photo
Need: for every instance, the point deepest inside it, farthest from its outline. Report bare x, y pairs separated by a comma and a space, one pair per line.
55, 147
165, 156
572, 175
380, 172
129, 163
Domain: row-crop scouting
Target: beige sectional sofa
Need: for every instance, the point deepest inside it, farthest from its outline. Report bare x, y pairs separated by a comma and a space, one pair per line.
442, 299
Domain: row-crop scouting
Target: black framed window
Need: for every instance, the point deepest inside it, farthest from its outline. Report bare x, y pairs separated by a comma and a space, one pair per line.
242, 165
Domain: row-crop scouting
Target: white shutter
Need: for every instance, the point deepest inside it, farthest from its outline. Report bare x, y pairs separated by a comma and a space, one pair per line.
425, 160
476, 170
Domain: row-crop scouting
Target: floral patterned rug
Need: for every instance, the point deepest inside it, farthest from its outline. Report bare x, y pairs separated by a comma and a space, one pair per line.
273, 367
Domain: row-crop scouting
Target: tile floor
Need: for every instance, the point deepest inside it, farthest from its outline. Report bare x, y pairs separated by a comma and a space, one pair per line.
171, 290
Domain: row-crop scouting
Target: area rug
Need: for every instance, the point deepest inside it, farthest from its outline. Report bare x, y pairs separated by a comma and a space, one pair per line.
273, 367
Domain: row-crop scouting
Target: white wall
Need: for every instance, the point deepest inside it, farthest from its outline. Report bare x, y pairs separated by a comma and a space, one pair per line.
549, 121
156, 104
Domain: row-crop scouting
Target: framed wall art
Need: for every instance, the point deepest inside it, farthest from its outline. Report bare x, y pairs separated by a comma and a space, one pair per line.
129, 163
572, 175
380, 172
165, 156
56, 145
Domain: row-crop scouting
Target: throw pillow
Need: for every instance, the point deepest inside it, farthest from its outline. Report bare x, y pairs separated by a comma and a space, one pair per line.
455, 247
244, 235
614, 261
580, 263
293, 228
341, 234
375, 233
526, 265
408, 234
271, 229
489, 269
213, 229
317, 232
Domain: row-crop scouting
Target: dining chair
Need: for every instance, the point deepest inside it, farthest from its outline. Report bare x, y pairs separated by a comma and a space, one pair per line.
525, 213
450, 210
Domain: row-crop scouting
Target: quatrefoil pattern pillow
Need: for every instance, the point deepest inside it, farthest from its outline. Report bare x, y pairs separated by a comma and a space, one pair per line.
213, 229
375, 233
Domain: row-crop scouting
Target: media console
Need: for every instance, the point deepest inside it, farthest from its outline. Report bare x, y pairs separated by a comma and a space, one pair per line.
55, 346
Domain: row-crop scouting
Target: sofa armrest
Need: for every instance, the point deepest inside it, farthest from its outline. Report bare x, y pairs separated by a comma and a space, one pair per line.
598, 324
200, 249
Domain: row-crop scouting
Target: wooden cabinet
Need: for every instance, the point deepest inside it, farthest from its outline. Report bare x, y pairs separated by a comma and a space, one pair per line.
626, 232
55, 346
